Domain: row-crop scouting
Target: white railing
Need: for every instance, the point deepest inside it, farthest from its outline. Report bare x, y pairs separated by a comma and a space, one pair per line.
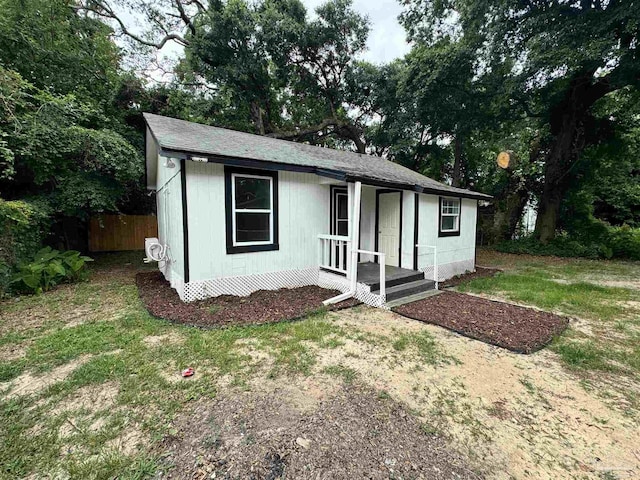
435, 261
334, 252
381, 262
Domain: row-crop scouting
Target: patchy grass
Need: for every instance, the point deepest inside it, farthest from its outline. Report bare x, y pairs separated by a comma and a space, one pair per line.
602, 294
92, 335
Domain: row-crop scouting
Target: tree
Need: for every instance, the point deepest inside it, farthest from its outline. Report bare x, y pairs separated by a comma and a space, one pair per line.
282, 75
64, 138
54, 49
557, 58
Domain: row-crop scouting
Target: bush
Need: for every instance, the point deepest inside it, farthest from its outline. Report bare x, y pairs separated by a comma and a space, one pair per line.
23, 227
48, 269
610, 242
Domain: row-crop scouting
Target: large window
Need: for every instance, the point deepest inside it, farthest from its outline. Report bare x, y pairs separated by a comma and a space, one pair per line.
449, 216
251, 210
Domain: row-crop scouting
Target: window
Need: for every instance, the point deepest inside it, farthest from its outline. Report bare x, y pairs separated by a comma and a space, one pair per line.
251, 204
449, 217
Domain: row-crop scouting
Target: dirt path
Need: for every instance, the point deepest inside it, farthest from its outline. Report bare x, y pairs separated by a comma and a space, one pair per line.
522, 414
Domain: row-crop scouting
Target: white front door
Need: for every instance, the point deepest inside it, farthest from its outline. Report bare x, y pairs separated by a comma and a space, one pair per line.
389, 227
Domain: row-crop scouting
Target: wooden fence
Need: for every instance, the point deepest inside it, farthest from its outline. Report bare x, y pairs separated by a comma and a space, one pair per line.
108, 233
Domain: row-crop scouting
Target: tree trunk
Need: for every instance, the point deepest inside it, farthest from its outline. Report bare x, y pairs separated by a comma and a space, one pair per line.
509, 210
567, 123
256, 117
456, 179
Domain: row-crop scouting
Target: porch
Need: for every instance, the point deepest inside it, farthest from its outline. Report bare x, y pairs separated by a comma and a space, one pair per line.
370, 249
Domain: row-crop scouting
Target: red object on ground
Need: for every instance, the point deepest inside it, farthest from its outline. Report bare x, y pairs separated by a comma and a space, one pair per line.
188, 372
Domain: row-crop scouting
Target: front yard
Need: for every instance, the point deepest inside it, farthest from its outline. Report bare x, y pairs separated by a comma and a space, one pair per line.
90, 387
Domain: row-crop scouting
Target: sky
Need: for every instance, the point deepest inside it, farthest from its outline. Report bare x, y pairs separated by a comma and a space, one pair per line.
387, 39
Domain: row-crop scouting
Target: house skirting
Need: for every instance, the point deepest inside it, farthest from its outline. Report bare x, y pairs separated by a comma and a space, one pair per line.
247, 284
449, 270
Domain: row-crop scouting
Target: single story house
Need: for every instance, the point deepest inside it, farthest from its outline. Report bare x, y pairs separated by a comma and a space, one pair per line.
239, 212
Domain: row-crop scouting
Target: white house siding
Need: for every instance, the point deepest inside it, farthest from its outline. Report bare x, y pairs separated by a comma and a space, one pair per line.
170, 228
456, 255
408, 221
303, 214
367, 221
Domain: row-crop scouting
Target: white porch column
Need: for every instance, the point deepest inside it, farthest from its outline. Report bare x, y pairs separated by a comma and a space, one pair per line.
354, 227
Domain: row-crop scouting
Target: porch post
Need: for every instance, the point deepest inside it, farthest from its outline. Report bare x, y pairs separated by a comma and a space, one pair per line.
355, 234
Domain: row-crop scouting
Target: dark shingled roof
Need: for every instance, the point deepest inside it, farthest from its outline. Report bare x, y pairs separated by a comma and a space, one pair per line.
184, 137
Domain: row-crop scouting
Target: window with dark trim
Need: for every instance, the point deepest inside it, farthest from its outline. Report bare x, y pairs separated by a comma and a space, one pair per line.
251, 203
449, 217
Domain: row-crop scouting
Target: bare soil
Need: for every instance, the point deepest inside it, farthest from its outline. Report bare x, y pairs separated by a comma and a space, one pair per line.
355, 433
520, 329
263, 306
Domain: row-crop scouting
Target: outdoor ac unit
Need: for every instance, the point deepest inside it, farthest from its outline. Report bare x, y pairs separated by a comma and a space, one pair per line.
155, 251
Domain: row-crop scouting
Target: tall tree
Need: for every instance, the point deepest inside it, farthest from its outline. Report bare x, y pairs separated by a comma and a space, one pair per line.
559, 58
284, 73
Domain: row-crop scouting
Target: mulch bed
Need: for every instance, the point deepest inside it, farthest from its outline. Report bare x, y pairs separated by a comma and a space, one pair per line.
520, 329
481, 272
264, 306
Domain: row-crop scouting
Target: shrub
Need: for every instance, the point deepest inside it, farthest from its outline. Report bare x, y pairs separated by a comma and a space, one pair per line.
23, 226
612, 242
48, 269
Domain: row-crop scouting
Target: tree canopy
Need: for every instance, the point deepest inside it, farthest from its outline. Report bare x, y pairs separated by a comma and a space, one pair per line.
553, 82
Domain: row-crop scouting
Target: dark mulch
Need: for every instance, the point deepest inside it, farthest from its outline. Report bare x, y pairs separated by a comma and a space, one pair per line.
355, 434
523, 330
264, 306
480, 272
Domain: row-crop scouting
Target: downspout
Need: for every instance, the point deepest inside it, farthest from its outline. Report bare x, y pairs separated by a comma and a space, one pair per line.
355, 238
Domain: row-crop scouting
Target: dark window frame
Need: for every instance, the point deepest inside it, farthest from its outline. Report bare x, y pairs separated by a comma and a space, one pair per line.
452, 233
228, 178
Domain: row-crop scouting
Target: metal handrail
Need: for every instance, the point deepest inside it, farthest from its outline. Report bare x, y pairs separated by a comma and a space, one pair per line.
381, 262
435, 261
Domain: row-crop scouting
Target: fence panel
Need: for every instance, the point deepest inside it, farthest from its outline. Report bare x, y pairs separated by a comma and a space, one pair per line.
109, 233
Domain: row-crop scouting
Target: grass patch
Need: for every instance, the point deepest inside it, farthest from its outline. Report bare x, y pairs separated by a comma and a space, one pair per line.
582, 299
423, 344
608, 338
348, 375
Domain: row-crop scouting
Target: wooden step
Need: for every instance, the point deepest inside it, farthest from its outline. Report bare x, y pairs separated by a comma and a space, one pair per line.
407, 289
413, 298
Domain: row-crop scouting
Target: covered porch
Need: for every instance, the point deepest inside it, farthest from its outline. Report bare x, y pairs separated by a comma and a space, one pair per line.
372, 245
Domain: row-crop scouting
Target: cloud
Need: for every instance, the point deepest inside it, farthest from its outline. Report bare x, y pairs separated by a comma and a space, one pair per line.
387, 40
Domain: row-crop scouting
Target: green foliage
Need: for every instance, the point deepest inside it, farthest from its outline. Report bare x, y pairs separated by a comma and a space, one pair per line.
278, 72
599, 241
23, 226
48, 269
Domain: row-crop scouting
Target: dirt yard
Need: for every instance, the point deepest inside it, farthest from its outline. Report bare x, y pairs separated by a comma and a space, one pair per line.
90, 387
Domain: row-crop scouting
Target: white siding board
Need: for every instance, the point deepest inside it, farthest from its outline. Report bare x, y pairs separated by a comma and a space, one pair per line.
408, 205
303, 215
450, 249
368, 222
169, 214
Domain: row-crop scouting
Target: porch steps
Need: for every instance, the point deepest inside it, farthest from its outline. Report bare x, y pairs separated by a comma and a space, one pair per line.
394, 279
413, 298
407, 288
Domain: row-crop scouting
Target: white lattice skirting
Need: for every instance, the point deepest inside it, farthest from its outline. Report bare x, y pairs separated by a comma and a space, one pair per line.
247, 284
448, 270
340, 283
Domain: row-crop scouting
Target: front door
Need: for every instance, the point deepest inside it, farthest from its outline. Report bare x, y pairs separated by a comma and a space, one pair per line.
389, 226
